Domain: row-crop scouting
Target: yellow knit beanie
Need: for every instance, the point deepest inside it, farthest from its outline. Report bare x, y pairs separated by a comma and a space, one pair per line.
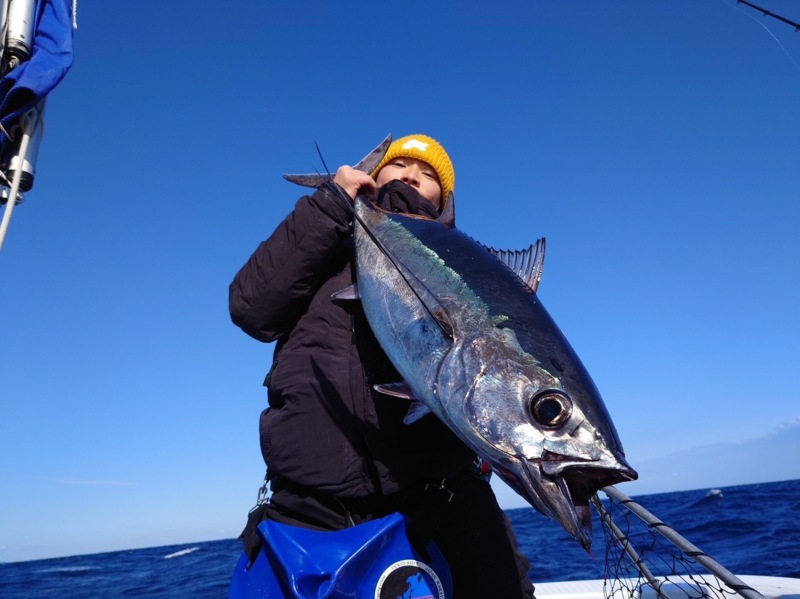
428, 150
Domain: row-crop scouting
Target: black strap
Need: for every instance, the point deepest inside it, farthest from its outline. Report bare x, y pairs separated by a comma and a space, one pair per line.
427, 517
249, 536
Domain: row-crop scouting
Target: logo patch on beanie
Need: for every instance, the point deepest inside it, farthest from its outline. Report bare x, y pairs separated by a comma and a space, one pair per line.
415, 144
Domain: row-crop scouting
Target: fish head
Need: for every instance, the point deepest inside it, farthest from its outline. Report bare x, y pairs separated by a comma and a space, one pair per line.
548, 440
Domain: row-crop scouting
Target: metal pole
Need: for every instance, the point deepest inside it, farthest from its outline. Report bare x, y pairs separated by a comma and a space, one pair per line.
30, 120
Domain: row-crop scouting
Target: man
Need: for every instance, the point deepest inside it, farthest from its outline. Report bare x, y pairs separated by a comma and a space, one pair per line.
338, 453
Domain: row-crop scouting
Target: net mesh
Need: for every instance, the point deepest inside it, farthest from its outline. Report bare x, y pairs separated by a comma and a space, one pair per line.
646, 558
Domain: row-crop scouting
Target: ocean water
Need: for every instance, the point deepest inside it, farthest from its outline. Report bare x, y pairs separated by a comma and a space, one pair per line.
750, 529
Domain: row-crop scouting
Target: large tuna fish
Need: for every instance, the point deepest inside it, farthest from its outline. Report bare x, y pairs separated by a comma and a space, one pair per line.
474, 344
476, 347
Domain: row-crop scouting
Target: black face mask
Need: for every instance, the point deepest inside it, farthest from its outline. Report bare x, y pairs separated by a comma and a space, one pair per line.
397, 196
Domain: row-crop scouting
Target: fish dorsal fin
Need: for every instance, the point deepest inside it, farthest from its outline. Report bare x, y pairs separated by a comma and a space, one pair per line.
448, 216
367, 164
526, 264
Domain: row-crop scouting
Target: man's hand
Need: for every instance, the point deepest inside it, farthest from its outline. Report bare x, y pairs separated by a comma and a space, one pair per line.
354, 182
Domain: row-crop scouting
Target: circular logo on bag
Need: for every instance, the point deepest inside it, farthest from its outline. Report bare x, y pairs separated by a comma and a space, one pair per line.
409, 579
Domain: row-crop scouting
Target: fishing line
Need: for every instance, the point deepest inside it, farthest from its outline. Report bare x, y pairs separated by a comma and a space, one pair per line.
777, 41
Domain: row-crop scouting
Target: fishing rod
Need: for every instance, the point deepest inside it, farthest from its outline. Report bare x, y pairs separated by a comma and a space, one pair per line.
768, 13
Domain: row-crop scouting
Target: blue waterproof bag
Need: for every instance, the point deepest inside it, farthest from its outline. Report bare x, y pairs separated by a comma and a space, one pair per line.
373, 560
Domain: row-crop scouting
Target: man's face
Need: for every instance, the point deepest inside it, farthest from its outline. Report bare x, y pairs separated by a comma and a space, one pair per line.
416, 173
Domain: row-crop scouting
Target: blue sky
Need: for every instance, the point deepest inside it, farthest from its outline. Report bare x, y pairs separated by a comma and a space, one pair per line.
656, 145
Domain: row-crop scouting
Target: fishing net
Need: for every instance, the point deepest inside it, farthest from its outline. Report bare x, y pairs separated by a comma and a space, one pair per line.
645, 558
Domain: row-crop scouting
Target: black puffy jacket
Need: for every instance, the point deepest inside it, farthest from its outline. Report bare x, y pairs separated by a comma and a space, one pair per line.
325, 427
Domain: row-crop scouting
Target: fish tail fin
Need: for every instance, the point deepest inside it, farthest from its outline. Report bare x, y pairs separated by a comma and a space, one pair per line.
367, 164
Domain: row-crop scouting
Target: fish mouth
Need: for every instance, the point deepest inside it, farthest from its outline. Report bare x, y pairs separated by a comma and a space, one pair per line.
563, 489
580, 485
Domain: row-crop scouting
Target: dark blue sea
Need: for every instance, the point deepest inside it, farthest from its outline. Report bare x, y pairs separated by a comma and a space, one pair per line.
750, 529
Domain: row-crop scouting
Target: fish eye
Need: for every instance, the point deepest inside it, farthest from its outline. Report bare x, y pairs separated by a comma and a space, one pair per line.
551, 408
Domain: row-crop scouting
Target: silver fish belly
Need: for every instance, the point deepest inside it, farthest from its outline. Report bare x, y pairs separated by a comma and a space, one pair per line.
476, 346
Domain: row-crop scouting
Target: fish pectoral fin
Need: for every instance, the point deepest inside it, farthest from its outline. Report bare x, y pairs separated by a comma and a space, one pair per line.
347, 294
401, 390
526, 264
416, 411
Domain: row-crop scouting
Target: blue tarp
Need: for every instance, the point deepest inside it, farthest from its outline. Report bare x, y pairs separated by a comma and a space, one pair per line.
51, 57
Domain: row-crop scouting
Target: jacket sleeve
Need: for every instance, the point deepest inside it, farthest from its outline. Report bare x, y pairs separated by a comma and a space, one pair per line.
275, 286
